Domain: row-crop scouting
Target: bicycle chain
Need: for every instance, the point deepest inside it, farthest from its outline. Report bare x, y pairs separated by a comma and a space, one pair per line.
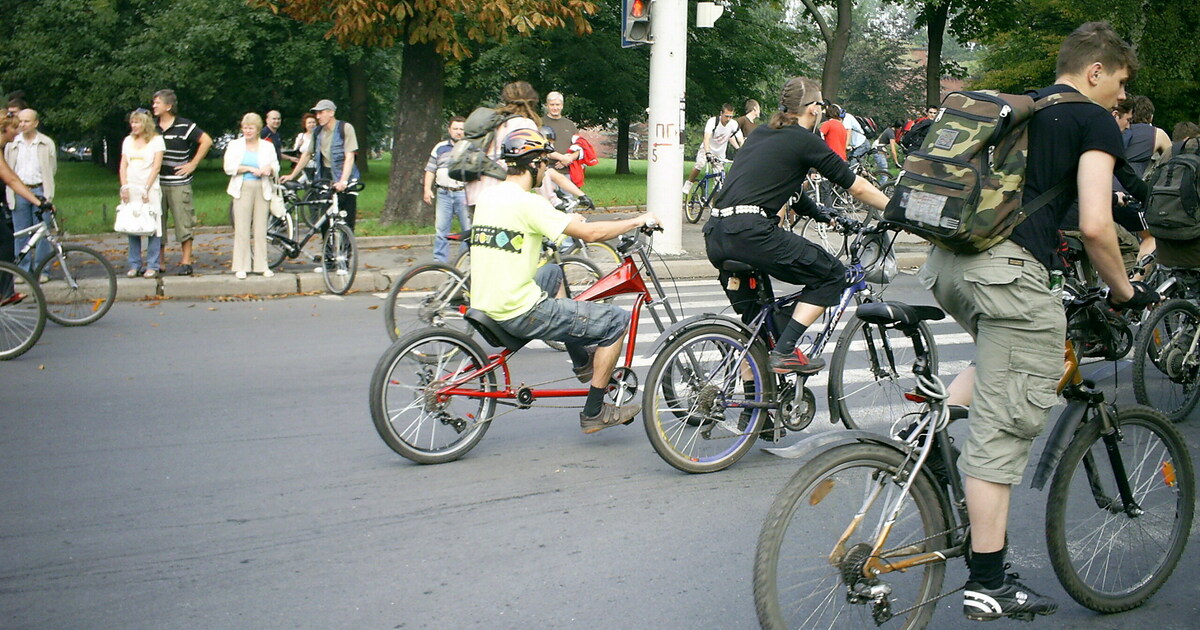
928, 601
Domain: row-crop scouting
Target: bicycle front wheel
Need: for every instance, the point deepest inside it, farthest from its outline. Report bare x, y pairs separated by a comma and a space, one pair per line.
1111, 556
603, 255
693, 203
1166, 362
808, 566
82, 286
693, 403
869, 374
340, 255
21, 322
410, 415
279, 228
428, 294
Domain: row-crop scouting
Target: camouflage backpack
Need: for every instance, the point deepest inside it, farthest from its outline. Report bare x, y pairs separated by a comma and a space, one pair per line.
962, 189
468, 160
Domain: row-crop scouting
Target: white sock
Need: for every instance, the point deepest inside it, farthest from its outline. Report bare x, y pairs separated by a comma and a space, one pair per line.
687, 187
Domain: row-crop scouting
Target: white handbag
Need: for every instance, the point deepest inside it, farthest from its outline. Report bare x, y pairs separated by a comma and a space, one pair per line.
136, 217
278, 209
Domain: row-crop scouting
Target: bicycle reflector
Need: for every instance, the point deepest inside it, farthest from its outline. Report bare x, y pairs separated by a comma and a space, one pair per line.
914, 397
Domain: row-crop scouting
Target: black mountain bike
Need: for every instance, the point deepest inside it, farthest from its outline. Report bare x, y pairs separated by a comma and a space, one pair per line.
339, 253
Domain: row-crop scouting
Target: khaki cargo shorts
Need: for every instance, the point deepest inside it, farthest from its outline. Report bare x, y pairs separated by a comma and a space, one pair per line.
1002, 298
178, 201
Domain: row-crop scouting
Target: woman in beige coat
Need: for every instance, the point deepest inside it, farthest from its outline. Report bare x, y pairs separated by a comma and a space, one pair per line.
250, 162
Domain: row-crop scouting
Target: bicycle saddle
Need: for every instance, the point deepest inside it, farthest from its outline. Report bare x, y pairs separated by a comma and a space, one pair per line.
492, 332
292, 184
733, 265
898, 313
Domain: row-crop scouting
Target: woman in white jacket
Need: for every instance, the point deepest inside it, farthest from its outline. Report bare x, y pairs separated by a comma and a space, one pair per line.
250, 162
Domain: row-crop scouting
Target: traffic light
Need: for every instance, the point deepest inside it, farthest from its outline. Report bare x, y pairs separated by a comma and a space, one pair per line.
635, 26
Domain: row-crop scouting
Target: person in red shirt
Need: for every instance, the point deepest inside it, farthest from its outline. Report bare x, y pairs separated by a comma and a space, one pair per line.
834, 131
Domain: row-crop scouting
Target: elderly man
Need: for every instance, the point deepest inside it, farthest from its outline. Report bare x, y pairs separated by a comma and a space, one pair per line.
564, 131
33, 158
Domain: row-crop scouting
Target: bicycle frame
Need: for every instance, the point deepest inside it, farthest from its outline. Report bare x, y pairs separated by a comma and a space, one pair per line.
41, 229
626, 279
329, 217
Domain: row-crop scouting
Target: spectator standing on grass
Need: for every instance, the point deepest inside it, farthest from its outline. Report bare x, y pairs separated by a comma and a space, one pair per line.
186, 145
250, 162
8, 132
33, 157
564, 130
451, 195
333, 147
141, 173
271, 132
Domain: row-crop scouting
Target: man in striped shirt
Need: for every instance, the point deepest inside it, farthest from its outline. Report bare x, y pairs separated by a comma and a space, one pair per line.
187, 144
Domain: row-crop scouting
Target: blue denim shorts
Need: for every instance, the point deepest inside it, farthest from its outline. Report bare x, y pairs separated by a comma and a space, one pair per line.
571, 322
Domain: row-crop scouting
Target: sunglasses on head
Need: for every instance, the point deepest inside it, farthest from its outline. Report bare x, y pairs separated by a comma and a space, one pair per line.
141, 110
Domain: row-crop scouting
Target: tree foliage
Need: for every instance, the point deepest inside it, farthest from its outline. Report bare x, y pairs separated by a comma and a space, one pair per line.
1163, 32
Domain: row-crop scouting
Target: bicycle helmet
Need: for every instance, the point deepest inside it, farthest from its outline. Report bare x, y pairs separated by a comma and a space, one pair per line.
523, 145
548, 131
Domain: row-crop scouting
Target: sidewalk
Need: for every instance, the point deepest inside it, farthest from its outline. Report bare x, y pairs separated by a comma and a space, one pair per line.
381, 260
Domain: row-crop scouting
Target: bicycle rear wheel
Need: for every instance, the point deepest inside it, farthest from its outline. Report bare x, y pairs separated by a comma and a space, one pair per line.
340, 255
807, 576
428, 294
1107, 557
1166, 361
279, 228
686, 407
82, 286
408, 413
21, 323
870, 372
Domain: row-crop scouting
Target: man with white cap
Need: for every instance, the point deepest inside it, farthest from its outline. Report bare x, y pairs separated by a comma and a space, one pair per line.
334, 145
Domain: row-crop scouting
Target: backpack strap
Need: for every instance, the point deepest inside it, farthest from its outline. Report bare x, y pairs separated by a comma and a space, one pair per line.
1058, 189
1045, 198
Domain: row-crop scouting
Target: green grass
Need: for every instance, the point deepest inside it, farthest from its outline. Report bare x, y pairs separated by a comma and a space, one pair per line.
87, 195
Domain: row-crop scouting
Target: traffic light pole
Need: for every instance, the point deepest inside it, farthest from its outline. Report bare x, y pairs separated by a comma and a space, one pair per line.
668, 72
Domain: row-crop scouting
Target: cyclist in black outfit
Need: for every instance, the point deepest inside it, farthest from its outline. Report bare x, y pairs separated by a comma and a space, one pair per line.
769, 171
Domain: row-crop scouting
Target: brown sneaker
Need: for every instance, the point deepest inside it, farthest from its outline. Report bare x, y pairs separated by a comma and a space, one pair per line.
610, 416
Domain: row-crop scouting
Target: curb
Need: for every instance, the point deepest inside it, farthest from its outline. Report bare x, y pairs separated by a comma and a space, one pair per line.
202, 287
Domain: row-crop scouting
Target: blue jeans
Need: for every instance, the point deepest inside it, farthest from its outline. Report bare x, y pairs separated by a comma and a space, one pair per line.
153, 249
25, 215
882, 163
449, 204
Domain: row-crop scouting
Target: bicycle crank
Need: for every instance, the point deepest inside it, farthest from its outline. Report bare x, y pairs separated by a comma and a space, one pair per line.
623, 386
797, 415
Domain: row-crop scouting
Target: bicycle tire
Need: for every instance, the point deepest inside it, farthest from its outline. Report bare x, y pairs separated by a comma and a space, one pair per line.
1159, 468
463, 261
605, 256
870, 399
21, 324
90, 293
681, 404
693, 203
1166, 369
824, 236
277, 249
406, 415
428, 294
580, 273
340, 255
818, 504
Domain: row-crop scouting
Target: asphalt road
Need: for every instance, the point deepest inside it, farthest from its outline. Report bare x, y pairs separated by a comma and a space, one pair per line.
213, 465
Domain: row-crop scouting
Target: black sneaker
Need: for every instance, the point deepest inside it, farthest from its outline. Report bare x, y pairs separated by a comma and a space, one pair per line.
795, 361
1012, 599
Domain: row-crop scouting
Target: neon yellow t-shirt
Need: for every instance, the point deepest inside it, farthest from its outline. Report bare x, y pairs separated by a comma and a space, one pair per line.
506, 245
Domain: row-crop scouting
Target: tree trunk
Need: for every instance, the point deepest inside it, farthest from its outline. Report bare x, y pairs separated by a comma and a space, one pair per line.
416, 130
936, 32
622, 146
835, 52
359, 102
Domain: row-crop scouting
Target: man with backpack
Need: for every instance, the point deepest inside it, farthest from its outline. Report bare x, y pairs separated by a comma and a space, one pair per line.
1004, 296
916, 130
334, 146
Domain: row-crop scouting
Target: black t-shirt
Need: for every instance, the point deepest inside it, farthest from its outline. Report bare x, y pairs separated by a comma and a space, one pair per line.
1058, 135
772, 165
182, 139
